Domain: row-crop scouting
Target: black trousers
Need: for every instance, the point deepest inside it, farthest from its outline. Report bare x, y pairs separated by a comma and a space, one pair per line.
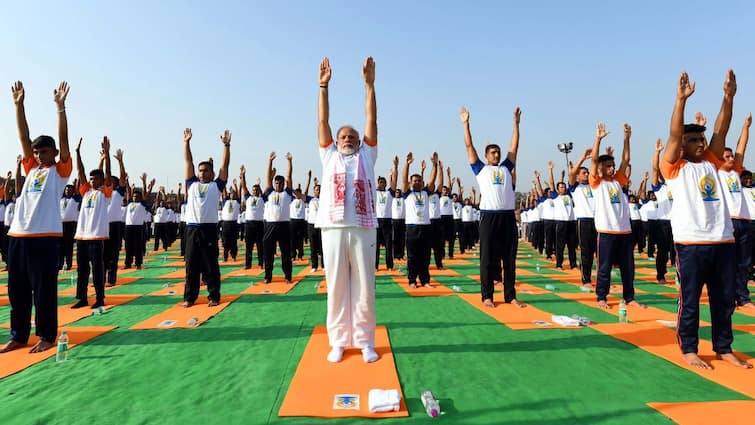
182, 235
3, 242
202, 259
588, 240
665, 241
399, 237
298, 231
711, 265
498, 239
468, 235
315, 245
230, 234
550, 237
436, 242
66, 244
448, 233
418, 242
90, 256
652, 234
134, 238
33, 280
458, 229
638, 233
615, 249
253, 232
744, 252
384, 238
161, 235
566, 236
277, 234
538, 233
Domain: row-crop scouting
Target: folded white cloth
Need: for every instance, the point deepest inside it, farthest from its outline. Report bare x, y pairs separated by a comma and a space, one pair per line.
565, 321
384, 400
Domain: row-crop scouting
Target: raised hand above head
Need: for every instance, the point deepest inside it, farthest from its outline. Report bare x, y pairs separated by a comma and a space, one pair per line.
700, 119
18, 92
730, 84
225, 138
685, 88
59, 95
187, 135
464, 114
601, 132
325, 72
368, 70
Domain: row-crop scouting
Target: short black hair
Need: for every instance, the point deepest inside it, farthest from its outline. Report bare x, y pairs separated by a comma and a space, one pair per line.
43, 142
746, 174
279, 178
605, 157
97, 173
207, 163
694, 128
492, 146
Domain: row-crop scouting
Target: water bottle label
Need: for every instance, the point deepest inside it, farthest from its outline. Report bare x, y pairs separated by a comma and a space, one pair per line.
62, 347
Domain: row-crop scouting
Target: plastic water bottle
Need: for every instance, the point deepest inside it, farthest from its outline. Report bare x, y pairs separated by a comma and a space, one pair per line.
584, 288
623, 312
550, 287
431, 404
456, 288
62, 354
194, 321
537, 267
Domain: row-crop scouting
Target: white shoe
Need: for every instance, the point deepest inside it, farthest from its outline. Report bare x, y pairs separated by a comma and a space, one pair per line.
313, 270
335, 355
369, 355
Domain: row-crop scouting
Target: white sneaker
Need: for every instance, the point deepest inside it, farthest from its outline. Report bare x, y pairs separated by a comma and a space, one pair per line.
335, 355
313, 270
369, 355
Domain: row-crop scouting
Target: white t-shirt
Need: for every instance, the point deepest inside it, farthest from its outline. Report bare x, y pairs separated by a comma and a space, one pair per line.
496, 185
69, 208
398, 211
732, 192
255, 208
36, 210
417, 206
584, 203
383, 203
93, 216
297, 210
278, 205
202, 200
611, 207
231, 210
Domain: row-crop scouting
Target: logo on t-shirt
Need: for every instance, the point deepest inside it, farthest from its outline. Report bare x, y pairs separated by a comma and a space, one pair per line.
567, 200
38, 179
587, 191
497, 177
733, 184
202, 190
707, 187
90, 200
613, 195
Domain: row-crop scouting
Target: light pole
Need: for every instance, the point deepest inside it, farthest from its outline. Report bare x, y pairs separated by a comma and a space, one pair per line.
566, 149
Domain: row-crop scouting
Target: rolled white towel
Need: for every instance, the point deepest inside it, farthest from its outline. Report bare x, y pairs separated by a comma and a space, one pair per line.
384, 400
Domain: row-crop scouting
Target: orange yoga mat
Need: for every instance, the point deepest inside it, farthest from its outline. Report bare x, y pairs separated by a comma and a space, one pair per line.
513, 317
174, 289
3, 289
456, 262
436, 289
68, 315
123, 280
322, 287
445, 272
178, 274
730, 412
177, 264
661, 342
276, 287
242, 272
318, 272
636, 315
385, 272
4, 300
18, 360
316, 382
526, 288
747, 311
179, 316
230, 262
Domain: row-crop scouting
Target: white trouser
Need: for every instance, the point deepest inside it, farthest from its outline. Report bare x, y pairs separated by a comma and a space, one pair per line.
349, 259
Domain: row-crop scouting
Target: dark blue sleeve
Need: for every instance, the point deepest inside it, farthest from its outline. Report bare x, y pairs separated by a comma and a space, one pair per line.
656, 188
477, 167
572, 187
553, 195
290, 193
267, 193
392, 192
309, 198
76, 197
146, 205
221, 183
508, 164
404, 194
190, 181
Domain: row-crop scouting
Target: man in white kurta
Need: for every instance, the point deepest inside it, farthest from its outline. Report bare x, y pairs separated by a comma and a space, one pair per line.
347, 219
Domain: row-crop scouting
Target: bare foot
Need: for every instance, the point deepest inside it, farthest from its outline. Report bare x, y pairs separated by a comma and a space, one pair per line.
731, 358
662, 282
604, 305
11, 345
693, 360
413, 285
634, 303
748, 305
41, 346
187, 304
516, 303
488, 303
213, 303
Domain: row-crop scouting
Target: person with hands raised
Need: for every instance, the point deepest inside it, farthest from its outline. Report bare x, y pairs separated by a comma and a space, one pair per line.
278, 197
584, 212
347, 219
418, 228
36, 228
498, 230
203, 192
254, 212
384, 197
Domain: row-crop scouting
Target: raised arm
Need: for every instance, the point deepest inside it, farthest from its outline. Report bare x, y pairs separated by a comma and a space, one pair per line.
625, 153
551, 181
289, 180
106, 154
656, 178
17, 89
471, 151
514, 148
450, 181
122, 169
242, 177
309, 180
538, 185
79, 164
148, 191
393, 175
405, 180
325, 135
59, 96
370, 109
188, 159
225, 138
179, 201
723, 121
437, 170
19, 184
270, 172
642, 193
575, 168
739, 155
600, 134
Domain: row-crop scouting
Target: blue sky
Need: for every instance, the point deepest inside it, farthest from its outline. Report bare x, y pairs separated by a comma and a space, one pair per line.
142, 71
